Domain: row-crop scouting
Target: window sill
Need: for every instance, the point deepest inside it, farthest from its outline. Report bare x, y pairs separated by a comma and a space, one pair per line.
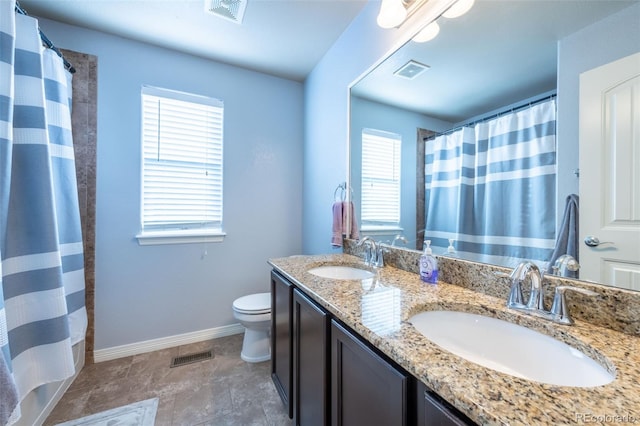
381, 229
180, 237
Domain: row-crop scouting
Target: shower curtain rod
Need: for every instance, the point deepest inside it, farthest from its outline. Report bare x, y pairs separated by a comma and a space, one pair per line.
492, 116
47, 42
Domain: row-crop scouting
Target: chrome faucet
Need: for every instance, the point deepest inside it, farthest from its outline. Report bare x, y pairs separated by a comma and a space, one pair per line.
519, 274
565, 263
373, 253
379, 260
535, 305
559, 309
370, 249
401, 238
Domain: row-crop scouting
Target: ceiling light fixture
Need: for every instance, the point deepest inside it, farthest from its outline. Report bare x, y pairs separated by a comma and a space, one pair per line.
392, 13
427, 33
459, 8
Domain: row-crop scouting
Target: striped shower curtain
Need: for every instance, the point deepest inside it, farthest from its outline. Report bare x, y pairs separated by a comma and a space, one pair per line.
42, 311
491, 187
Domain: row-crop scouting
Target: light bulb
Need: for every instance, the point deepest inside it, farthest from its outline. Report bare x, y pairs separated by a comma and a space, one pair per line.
392, 13
459, 8
427, 33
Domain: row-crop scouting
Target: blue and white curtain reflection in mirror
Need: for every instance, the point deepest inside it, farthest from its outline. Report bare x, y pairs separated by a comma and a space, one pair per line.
42, 310
491, 187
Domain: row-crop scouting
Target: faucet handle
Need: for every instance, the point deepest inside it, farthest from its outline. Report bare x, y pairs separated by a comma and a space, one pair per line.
565, 263
379, 260
369, 249
516, 299
559, 309
399, 237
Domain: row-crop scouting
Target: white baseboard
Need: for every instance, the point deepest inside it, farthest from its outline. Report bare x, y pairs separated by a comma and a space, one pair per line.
115, 352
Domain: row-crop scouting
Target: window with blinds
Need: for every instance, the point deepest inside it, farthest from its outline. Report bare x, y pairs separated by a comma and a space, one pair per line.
182, 142
380, 205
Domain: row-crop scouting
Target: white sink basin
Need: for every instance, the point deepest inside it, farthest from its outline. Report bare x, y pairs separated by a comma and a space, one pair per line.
510, 348
341, 272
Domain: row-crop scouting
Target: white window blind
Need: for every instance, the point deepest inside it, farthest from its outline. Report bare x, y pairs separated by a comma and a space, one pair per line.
380, 178
181, 161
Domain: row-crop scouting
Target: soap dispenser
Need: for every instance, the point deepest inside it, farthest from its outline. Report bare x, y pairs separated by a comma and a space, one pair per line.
428, 265
451, 250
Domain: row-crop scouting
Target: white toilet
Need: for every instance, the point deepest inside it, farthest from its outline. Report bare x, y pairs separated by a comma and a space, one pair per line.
254, 313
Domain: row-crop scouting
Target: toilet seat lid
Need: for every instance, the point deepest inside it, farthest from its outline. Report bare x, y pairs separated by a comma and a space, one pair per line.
259, 303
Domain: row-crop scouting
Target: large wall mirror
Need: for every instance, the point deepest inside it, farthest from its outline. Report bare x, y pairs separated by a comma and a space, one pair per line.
501, 57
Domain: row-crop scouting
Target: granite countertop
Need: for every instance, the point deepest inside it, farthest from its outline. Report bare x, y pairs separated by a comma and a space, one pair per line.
378, 309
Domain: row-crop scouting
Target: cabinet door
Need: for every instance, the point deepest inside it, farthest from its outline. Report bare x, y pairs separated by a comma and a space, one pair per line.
281, 338
433, 411
365, 388
310, 362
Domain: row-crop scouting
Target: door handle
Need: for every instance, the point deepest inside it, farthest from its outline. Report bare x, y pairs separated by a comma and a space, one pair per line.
592, 241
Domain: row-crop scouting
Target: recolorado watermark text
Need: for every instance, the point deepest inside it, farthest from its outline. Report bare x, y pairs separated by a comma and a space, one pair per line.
606, 418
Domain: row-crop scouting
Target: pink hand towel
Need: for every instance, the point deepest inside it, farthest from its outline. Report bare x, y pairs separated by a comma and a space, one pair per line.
338, 225
355, 231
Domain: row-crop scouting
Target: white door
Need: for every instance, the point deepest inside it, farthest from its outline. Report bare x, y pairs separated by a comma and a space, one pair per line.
610, 173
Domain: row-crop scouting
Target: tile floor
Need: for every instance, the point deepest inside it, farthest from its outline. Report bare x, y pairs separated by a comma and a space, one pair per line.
220, 391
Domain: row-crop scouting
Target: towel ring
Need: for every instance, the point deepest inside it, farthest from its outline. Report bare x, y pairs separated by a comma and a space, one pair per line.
342, 195
343, 192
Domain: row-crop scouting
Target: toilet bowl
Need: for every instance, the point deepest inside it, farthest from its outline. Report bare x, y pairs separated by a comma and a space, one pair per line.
254, 313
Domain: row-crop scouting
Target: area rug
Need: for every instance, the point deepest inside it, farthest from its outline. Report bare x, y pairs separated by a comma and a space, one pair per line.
142, 413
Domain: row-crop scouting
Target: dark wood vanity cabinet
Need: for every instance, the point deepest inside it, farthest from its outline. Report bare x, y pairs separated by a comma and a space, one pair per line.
434, 411
328, 375
282, 338
310, 362
365, 388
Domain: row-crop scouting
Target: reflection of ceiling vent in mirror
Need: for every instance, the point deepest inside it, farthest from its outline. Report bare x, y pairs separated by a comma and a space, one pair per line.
232, 10
411, 70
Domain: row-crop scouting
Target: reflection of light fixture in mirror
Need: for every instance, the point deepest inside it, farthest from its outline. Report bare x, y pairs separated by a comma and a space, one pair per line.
427, 33
459, 8
392, 13
411, 70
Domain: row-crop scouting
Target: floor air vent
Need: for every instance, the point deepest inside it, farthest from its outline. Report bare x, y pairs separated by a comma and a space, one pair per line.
189, 359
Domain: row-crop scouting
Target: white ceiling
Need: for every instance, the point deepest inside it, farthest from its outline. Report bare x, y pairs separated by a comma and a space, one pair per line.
499, 53
286, 38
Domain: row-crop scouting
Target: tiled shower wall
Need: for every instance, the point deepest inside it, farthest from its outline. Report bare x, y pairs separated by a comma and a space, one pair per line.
84, 127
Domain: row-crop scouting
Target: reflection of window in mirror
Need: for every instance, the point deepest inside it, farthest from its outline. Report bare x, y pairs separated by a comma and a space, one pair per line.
380, 205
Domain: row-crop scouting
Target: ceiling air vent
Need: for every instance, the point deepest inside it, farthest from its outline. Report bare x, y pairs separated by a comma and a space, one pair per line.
231, 10
411, 70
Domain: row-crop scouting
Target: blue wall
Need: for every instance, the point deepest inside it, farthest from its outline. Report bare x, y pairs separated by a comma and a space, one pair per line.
326, 133
374, 115
149, 292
